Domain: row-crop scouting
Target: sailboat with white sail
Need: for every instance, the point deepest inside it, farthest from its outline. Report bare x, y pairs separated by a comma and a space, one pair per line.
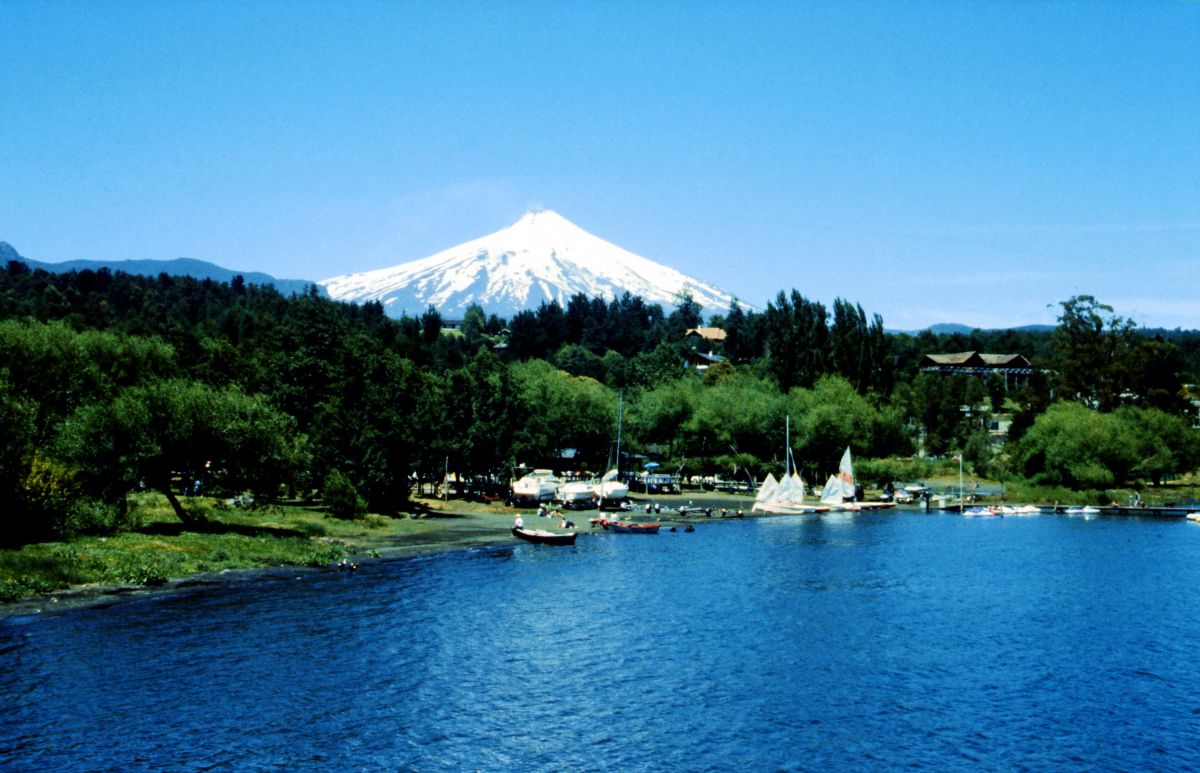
841, 490
784, 496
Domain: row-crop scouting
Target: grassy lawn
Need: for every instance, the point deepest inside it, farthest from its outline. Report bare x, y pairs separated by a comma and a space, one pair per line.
159, 548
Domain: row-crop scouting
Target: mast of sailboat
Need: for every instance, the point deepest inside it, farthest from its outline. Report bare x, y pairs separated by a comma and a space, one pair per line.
620, 415
787, 446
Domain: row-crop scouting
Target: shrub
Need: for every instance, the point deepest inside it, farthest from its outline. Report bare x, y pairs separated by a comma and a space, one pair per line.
341, 497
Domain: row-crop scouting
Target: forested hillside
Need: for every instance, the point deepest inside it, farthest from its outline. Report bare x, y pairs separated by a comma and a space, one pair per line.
111, 382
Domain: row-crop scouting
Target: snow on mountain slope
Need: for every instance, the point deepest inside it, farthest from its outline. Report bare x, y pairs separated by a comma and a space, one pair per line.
541, 257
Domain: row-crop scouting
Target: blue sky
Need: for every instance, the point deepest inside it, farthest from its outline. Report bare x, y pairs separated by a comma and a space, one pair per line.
971, 162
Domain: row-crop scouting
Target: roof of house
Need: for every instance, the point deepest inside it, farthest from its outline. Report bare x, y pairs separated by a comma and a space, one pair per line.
958, 358
707, 333
976, 360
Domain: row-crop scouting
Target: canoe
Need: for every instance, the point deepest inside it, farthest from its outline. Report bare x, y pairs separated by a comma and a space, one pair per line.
545, 537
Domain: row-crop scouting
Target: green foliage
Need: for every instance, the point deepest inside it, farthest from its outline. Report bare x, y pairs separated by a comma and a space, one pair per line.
341, 497
881, 470
1071, 445
111, 380
833, 416
563, 411
222, 437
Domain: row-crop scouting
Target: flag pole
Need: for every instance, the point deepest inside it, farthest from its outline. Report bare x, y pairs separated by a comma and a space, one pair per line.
961, 502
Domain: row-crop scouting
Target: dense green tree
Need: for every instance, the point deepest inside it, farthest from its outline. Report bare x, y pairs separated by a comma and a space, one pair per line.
797, 340
564, 412
1073, 445
580, 361
172, 433
737, 414
1091, 352
831, 417
1164, 445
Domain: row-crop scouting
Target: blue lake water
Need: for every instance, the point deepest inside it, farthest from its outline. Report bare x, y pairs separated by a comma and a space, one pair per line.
874, 641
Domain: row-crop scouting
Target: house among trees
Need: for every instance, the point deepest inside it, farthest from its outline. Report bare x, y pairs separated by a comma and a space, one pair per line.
712, 335
1015, 369
700, 360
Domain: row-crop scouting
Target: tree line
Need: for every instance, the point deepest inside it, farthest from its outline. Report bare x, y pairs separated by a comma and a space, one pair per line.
112, 382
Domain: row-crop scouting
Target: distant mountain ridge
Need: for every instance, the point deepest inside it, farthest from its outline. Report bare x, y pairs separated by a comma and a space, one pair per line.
543, 257
197, 269
953, 328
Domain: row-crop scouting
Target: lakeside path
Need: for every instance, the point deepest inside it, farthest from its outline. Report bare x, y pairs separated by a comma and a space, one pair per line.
435, 527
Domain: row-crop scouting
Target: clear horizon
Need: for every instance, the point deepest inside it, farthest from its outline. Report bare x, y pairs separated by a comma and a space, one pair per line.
933, 162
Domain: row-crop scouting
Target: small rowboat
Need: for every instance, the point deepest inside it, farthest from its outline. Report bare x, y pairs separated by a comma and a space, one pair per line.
630, 527
545, 537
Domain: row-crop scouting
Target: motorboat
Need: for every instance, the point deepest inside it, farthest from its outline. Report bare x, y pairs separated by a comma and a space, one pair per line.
610, 488
536, 486
577, 494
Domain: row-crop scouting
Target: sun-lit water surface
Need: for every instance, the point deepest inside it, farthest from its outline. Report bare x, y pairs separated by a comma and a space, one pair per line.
846, 642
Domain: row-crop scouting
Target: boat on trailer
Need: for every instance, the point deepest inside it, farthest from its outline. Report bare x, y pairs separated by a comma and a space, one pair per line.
537, 486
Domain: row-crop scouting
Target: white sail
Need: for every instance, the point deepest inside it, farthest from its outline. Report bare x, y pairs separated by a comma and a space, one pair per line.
767, 490
839, 489
785, 496
798, 484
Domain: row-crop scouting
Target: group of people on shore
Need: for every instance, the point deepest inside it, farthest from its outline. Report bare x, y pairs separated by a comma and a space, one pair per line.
544, 512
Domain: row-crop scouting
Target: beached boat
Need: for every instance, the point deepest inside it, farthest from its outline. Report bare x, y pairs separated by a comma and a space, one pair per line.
537, 486
786, 495
611, 490
542, 537
841, 491
577, 494
631, 527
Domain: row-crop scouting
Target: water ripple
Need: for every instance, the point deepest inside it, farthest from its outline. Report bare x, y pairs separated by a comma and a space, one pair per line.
866, 642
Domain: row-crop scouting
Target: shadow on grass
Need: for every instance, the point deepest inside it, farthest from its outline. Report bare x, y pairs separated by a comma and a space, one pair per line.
164, 529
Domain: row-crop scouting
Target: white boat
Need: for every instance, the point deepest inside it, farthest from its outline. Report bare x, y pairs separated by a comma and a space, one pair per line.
1016, 509
611, 491
577, 493
839, 489
611, 488
786, 495
1194, 517
537, 486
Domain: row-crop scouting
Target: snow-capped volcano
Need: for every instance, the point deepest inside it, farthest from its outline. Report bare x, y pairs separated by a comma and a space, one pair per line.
541, 257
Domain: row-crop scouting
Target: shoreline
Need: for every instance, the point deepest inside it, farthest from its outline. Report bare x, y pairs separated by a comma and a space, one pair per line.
462, 525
